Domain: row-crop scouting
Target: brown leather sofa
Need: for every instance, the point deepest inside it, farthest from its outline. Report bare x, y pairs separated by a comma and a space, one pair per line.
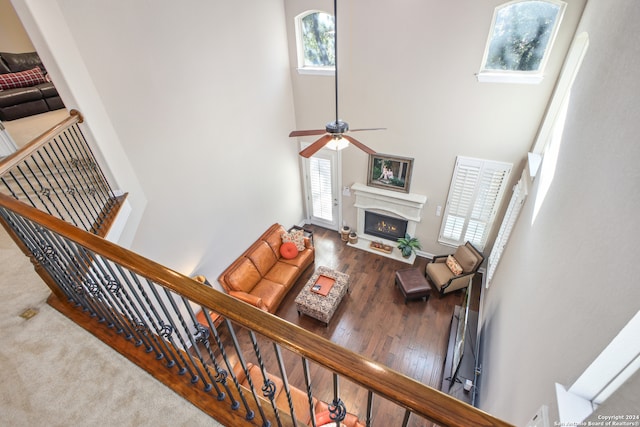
261, 276
298, 397
20, 102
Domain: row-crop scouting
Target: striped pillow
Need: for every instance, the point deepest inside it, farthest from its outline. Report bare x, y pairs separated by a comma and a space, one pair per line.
22, 79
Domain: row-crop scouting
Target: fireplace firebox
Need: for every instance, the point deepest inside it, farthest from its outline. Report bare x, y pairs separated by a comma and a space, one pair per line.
384, 226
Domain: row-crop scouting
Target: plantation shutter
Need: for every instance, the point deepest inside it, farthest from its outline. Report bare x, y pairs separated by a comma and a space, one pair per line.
508, 222
320, 179
474, 198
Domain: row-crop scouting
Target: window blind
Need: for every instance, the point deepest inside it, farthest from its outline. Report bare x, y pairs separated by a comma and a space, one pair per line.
508, 222
320, 179
474, 198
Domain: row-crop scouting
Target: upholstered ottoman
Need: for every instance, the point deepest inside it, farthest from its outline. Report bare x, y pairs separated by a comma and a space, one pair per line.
412, 284
318, 306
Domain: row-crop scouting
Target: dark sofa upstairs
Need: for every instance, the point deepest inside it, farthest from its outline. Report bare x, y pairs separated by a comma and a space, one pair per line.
25, 88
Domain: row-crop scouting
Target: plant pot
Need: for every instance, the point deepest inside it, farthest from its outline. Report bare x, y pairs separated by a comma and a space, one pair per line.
344, 232
353, 238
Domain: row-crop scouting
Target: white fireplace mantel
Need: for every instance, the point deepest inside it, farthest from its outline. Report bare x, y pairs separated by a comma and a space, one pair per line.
407, 206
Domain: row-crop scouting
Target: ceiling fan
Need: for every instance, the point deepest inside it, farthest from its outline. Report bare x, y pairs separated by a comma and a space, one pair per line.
334, 132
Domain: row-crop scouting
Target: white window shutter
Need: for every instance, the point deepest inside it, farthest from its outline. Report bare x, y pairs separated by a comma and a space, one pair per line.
320, 179
508, 222
474, 198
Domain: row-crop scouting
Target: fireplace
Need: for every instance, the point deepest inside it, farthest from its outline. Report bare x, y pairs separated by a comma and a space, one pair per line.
384, 216
384, 226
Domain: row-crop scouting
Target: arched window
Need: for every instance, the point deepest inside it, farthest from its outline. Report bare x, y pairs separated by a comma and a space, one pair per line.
522, 33
315, 40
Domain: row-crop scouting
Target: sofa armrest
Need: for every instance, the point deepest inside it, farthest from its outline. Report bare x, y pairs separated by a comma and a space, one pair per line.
457, 282
440, 258
249, 299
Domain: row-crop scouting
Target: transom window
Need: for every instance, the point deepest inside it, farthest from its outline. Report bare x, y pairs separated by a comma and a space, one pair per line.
521, 36
315, 40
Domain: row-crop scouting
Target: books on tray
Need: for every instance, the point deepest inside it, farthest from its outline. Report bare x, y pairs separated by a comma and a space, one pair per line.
323, 285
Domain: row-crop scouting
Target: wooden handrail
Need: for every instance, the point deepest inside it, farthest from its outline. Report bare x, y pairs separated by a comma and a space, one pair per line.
14, 158
425, 401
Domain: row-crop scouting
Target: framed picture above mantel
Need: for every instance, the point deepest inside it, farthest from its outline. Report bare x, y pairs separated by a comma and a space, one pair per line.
390, 172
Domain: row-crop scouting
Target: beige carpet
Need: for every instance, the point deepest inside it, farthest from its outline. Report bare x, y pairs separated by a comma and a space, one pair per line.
27, 128
53, 373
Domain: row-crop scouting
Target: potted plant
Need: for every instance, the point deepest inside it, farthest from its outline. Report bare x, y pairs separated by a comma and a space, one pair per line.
408, 244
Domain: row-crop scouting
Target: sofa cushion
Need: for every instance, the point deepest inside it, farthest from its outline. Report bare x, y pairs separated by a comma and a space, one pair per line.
288, 250
22, 61
284, 273
24, 109
25, 78
18, 96
4, 68
453, 265
302, 261
274, 239
270, 292
466, 258
244, 277
439, 273
48, 90
295, 236
262, 257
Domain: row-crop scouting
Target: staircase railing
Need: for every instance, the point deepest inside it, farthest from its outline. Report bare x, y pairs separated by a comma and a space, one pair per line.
150, 313
58, 173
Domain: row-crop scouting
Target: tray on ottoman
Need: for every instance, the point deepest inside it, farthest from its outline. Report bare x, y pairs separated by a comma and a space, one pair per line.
318, 306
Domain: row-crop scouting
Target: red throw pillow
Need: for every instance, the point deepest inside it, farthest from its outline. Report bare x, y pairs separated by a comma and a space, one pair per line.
323, 418
25, 78
288, 250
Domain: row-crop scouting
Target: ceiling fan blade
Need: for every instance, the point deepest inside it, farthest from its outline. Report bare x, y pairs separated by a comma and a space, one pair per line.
316, 146
359, 144
307, 132
358, 130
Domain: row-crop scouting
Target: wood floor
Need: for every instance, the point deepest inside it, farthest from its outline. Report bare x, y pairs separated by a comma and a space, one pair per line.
374, 321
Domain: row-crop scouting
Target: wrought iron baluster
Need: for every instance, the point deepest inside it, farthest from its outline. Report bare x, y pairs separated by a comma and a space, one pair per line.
243, 364
41, 242
53, 188
269, 387
405, 420
135, 319
307, 380
337, 409
110, 292
369, 419
72, 177
168, 330
6, 184
202, 336
187, 332
285, 379
250, 414
157, 323
82, 174
70, 188
44, 190
78, 137
33, 190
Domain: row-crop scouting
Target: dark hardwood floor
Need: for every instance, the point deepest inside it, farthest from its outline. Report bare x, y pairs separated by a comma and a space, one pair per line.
374, 321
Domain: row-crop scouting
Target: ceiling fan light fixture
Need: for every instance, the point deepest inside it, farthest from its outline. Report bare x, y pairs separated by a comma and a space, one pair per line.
337, 143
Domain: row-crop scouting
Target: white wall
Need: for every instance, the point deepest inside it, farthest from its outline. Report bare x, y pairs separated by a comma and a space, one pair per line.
13, 37
409, 66
201, 105
567, 282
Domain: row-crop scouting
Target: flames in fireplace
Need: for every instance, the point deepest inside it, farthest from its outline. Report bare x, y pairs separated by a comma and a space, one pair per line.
384, 226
